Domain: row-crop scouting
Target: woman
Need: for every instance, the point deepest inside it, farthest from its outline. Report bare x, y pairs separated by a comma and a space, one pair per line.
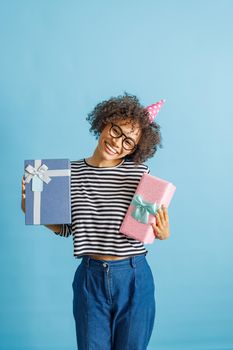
113, 287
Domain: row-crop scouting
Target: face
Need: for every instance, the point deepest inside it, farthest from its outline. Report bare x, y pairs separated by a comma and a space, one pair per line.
111, 147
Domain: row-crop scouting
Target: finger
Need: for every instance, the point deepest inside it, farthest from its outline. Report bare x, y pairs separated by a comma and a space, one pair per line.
162, 214
157, 232
162, 211
159, 219
165, 213
153, 225
23, 191
154, 230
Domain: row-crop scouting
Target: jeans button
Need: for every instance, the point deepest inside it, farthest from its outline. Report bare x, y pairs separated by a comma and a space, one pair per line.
105, 264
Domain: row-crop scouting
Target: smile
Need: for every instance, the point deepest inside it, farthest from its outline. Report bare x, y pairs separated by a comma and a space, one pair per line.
109, 149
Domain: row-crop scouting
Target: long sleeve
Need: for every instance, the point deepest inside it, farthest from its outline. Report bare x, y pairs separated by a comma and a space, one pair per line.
65, 231
148, 170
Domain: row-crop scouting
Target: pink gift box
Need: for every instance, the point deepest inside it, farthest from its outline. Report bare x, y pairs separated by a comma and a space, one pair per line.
150, 194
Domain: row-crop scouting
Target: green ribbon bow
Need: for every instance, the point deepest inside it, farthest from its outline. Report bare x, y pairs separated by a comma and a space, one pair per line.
142, 209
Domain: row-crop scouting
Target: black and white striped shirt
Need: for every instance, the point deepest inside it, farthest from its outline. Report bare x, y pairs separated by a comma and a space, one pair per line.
100, 197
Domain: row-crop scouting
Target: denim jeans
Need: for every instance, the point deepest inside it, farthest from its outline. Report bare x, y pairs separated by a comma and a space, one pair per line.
114, 303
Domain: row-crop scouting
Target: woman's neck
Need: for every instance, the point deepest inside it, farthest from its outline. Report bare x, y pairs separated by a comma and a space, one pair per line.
102, 163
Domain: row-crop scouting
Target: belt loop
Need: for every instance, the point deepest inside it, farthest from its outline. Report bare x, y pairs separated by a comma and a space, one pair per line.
87, 261
132, 260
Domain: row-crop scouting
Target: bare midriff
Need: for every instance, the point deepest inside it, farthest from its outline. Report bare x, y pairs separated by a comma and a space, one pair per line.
108, 257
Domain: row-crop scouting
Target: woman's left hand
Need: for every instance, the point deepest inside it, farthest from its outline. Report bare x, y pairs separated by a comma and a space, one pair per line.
161, 226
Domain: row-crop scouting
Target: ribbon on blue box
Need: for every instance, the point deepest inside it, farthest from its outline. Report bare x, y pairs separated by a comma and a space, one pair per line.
40, 174
143, 209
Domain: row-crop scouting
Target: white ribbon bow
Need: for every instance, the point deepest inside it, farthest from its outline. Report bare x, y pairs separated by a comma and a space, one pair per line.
40, 172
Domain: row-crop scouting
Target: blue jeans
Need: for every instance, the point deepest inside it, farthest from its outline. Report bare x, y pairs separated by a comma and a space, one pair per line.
114, 303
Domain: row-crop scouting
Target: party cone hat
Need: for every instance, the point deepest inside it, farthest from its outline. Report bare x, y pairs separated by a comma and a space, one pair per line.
154, 109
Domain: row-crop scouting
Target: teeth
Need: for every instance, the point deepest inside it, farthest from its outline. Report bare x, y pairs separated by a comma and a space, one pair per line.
111, 149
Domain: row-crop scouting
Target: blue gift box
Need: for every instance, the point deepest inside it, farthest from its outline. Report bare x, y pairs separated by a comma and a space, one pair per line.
47, 191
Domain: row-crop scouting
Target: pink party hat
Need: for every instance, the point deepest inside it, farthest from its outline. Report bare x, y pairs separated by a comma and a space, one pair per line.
154, 109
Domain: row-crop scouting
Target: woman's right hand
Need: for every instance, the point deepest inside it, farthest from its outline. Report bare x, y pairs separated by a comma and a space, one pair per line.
23, 195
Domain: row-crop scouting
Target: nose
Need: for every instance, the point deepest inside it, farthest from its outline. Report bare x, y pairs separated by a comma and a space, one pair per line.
117, 142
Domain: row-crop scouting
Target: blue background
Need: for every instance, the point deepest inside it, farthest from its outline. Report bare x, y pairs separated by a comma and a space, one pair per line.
58, 60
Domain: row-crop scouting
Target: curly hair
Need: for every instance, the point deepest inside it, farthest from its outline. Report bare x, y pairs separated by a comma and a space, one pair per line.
124, 107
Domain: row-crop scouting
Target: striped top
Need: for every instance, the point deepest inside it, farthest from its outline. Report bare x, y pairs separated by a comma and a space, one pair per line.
100, 197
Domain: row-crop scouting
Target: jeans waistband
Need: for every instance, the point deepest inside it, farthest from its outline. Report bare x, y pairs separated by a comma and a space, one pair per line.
131, 261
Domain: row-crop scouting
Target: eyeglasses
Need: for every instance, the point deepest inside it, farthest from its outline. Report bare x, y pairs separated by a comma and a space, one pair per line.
116, 132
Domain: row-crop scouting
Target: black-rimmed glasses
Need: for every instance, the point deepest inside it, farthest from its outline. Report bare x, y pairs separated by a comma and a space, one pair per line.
128, 143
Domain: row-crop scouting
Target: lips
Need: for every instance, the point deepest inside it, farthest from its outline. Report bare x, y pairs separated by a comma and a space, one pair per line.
110, 149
